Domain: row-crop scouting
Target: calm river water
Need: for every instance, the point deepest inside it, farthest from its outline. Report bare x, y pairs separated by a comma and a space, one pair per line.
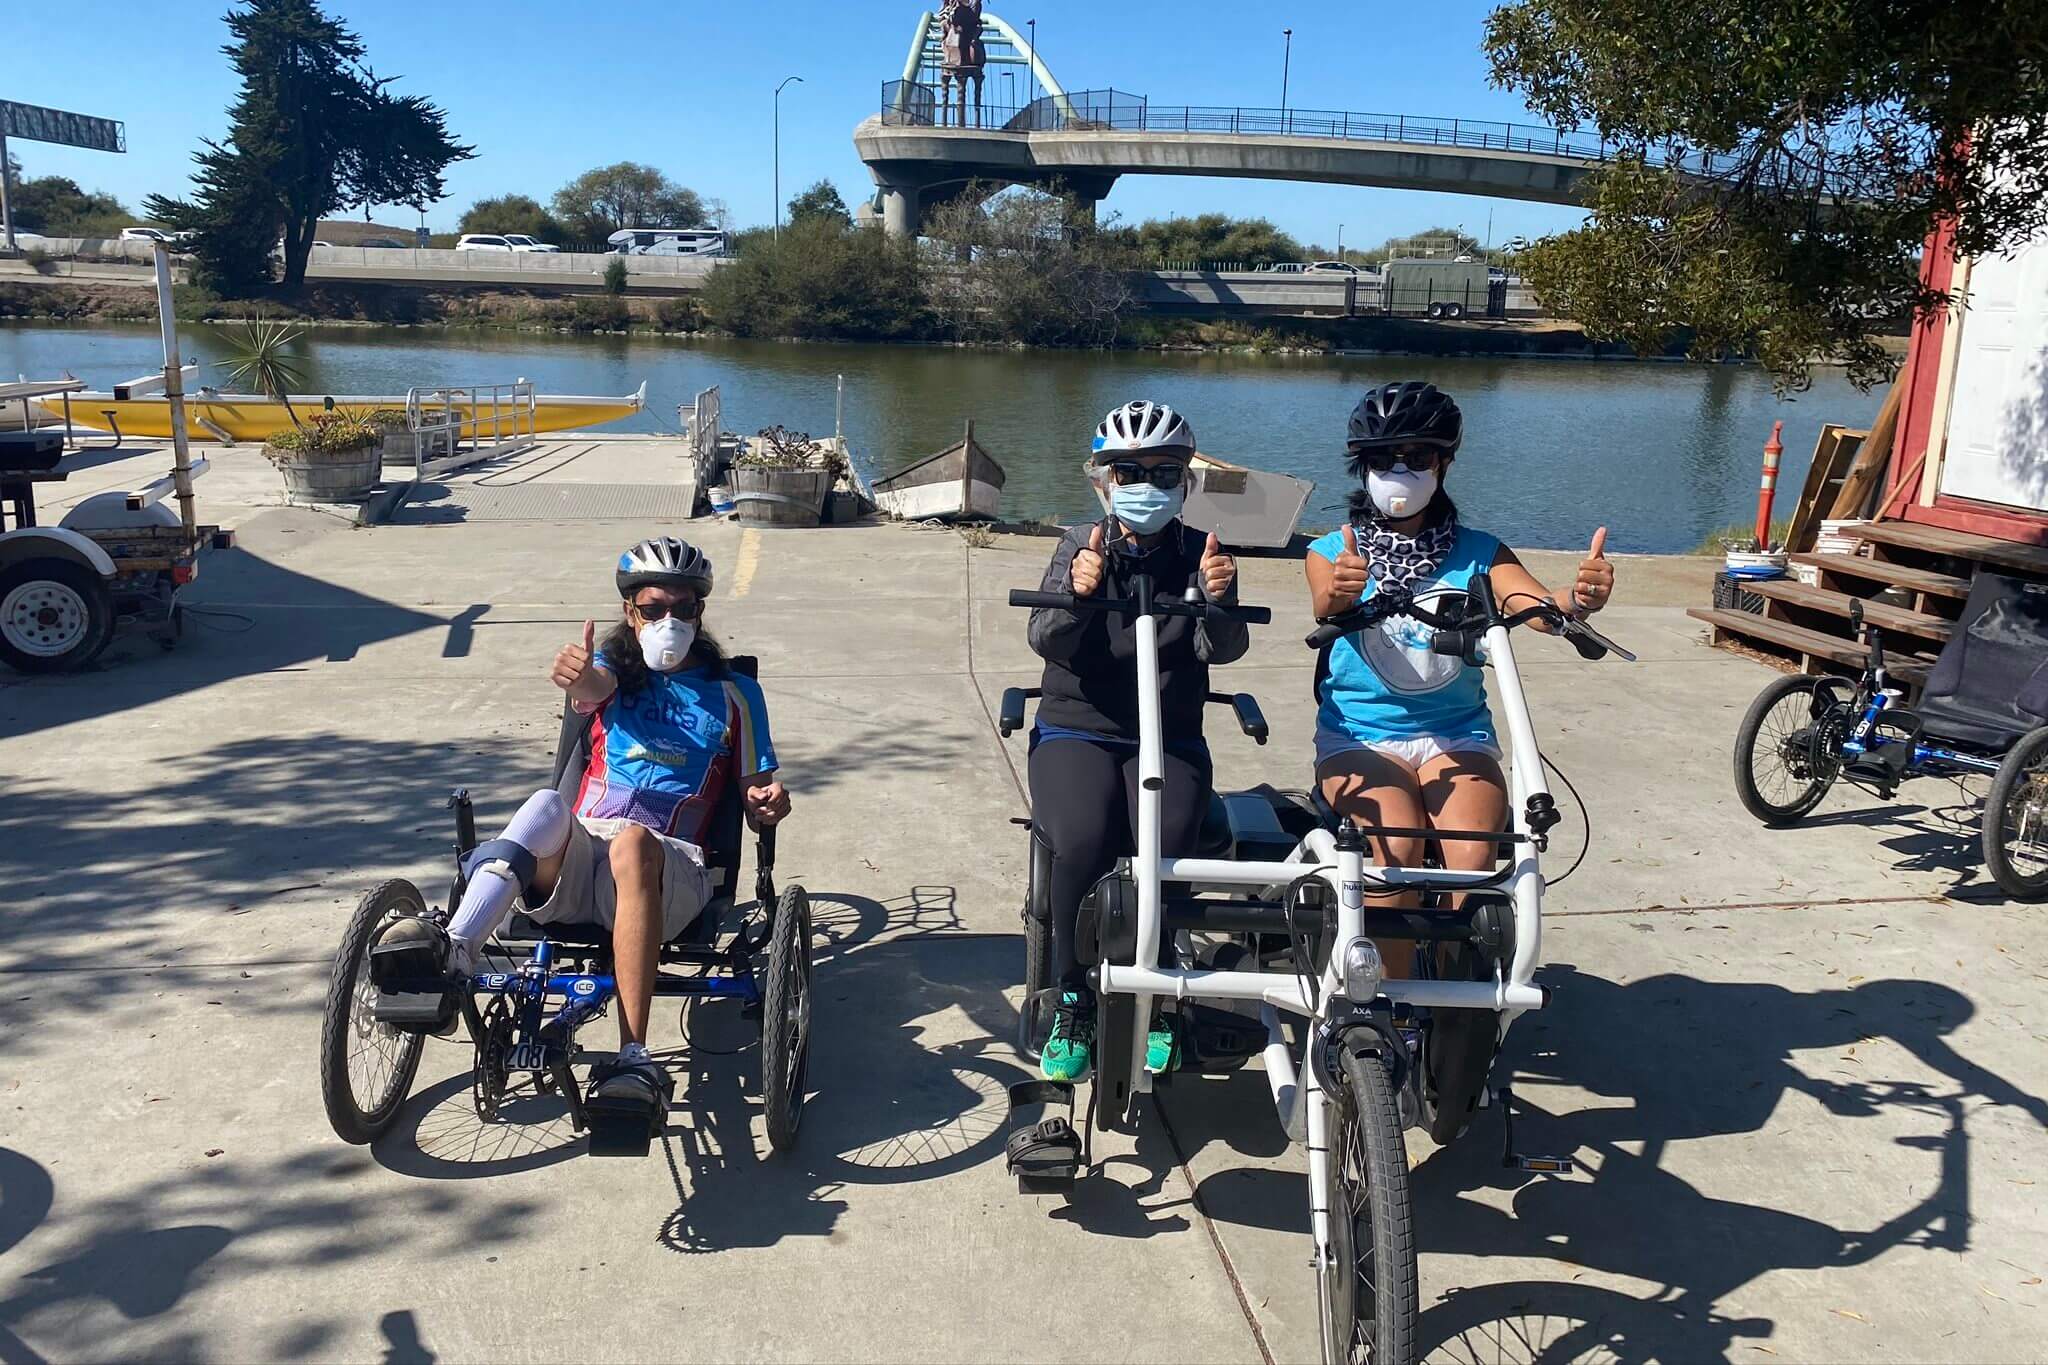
1662, 454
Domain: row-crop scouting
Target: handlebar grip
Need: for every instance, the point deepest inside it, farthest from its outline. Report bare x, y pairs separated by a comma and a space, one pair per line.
1588, 647
1029, 597
1326, 634
1251, 616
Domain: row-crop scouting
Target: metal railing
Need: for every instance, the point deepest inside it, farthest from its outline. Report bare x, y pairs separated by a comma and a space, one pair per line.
460, 424
913, 104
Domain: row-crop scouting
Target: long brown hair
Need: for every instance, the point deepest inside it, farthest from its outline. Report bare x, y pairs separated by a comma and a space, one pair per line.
621, 647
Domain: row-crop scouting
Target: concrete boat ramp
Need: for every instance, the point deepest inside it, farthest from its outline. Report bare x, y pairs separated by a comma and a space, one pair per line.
1802, 1071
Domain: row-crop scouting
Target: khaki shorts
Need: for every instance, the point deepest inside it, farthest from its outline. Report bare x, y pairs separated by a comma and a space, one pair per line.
586, 894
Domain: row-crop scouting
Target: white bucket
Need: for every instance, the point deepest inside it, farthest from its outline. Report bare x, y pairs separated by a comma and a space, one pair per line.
721, 500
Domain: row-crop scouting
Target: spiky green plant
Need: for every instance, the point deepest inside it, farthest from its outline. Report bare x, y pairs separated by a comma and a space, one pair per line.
259, 356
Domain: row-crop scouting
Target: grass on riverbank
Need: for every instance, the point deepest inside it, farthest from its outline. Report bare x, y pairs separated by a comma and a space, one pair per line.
1740, 536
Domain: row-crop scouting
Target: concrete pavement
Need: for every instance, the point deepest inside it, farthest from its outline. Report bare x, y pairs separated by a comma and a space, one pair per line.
1802, 1069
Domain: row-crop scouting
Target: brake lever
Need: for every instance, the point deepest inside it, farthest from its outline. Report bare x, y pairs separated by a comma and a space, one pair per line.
1579, 632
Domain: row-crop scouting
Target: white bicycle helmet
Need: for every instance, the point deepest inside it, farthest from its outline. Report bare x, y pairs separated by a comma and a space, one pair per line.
667, 561
1143, 428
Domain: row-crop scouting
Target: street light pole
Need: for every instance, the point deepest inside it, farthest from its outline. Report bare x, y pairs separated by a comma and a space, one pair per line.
1340, 241
778, 153
1286, 60
1032, 70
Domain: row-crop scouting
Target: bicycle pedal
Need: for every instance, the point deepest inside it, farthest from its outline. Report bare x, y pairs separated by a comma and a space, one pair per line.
1542, 1165
1045, 1155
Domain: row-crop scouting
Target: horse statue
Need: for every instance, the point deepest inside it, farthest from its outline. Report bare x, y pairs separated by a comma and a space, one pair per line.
960, 22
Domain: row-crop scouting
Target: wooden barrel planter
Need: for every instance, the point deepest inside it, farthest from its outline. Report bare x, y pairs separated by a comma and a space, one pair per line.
342, 476
780, 497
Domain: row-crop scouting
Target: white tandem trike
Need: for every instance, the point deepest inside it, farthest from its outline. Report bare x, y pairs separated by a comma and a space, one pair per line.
1271, 925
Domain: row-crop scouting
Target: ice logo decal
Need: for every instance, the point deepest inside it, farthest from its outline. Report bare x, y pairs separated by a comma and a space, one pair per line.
1397, 649
584, 986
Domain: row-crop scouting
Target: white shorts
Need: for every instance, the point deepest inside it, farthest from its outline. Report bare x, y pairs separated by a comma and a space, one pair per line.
585, 893
1414, 752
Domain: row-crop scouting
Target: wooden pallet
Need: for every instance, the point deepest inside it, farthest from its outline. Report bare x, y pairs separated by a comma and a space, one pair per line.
1804, 650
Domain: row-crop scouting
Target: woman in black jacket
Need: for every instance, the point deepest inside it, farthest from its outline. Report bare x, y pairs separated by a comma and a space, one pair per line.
1084, 746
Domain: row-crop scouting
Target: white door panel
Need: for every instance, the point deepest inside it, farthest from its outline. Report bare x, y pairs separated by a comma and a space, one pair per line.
1998, 412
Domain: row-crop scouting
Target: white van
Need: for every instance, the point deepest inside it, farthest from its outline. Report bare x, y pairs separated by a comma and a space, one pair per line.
667, 242
483, 241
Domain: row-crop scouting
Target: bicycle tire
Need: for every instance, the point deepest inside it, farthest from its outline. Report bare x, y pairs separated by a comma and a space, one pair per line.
1368, 1300
786, 1019
344, 1017
1828, 766
2023, 779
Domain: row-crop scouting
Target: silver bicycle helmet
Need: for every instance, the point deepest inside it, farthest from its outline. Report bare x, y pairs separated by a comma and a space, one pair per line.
667, 561
1142, 428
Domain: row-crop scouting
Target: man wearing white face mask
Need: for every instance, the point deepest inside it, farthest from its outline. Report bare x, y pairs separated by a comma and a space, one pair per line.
672, 729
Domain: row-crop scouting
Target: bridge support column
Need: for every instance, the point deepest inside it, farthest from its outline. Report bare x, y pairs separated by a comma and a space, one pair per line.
900, 216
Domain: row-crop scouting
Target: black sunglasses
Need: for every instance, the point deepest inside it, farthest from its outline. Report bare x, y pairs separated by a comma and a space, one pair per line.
1168, 475
1418, 459
682, 611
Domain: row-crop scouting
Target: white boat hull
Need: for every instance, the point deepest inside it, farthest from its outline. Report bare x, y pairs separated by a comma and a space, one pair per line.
1251, 508
941, 501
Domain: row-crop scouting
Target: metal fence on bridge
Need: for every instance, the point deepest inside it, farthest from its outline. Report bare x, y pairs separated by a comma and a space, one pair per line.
912, 104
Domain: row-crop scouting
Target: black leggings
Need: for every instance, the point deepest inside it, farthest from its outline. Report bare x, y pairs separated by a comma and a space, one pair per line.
1084, 801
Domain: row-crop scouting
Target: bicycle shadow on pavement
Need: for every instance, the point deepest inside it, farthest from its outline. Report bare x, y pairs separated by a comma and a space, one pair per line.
1628, 1214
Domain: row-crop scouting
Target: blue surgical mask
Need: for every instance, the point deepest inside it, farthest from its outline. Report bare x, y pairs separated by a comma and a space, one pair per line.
1144, 508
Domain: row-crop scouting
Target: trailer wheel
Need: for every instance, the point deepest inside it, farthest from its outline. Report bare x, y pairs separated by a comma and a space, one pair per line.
1436, 310
1453, 311
55, 614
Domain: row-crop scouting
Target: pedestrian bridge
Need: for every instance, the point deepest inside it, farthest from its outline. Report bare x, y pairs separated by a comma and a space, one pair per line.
922, 152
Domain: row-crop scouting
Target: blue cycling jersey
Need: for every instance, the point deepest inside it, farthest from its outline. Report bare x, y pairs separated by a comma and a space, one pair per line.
663, 755
1385, 684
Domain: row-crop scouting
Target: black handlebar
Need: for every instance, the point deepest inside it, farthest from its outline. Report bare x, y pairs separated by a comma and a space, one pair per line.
1460, 636
1162, 605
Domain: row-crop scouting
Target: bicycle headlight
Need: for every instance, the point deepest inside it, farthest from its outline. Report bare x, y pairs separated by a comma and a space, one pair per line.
1361, 971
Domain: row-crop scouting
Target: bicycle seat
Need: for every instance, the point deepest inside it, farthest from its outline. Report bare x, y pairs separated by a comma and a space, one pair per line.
1990, 685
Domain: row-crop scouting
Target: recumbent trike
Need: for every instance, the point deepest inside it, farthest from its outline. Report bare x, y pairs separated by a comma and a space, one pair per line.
1983, 712
1269, 950
522, 1015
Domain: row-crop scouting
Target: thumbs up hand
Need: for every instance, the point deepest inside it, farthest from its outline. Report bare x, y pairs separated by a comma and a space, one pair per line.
1084, 575
1219, 570
572, 663
1595, 583
1347, 584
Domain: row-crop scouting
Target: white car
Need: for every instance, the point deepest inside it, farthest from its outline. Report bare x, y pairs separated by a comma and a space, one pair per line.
521, 242
1287, 267
1334, 268
484, 241
145, 234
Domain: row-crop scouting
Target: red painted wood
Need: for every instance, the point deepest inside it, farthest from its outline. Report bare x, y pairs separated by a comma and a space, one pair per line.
1923, 375
1981, 518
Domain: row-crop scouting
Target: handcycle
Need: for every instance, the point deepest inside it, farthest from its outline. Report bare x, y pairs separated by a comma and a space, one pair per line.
540, 983
1275, 956
1982, 713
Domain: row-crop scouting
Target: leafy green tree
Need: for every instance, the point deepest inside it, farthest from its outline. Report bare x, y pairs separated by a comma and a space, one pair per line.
818, 280
615, 275
511, 213
820, 201
312, 131
1215, 238
1840, 134
627, 194
55, 206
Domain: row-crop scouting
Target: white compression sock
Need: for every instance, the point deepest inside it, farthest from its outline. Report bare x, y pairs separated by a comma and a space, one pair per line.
541, 827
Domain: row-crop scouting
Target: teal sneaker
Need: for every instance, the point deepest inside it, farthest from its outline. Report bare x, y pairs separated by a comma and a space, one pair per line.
1162, 1051
1066, 1056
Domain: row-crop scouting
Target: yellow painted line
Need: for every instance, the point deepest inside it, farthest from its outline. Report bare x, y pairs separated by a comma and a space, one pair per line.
750, 557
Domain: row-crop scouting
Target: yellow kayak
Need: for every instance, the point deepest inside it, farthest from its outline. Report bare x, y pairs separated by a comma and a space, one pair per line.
252, 417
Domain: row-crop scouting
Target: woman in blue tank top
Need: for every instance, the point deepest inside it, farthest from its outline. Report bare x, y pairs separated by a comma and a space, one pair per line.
1403, 736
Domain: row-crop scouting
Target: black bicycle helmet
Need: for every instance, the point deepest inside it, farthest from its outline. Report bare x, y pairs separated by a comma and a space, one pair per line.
1412, 413
666, 561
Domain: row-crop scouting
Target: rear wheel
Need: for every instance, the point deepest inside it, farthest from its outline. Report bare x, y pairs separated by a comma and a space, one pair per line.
366, 1067
786, 1018
54, 614
2016, 820
1367, 1285
1788, 750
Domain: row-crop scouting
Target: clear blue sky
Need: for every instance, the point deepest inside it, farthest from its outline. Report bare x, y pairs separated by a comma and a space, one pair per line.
546, 90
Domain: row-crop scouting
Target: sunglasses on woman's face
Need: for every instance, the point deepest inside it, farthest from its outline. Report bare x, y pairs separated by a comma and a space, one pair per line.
1167, 475
687, 610
1417, 459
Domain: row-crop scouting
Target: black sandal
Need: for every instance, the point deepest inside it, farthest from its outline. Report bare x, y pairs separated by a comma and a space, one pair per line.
627, 1105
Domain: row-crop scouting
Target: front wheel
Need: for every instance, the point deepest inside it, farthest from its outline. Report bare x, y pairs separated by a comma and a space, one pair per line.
1366, 1285
54, 615
786, 1018
366, 1067
1788, 750
2016, 820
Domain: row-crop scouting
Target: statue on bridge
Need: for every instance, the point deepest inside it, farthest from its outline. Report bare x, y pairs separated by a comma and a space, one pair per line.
960, 22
